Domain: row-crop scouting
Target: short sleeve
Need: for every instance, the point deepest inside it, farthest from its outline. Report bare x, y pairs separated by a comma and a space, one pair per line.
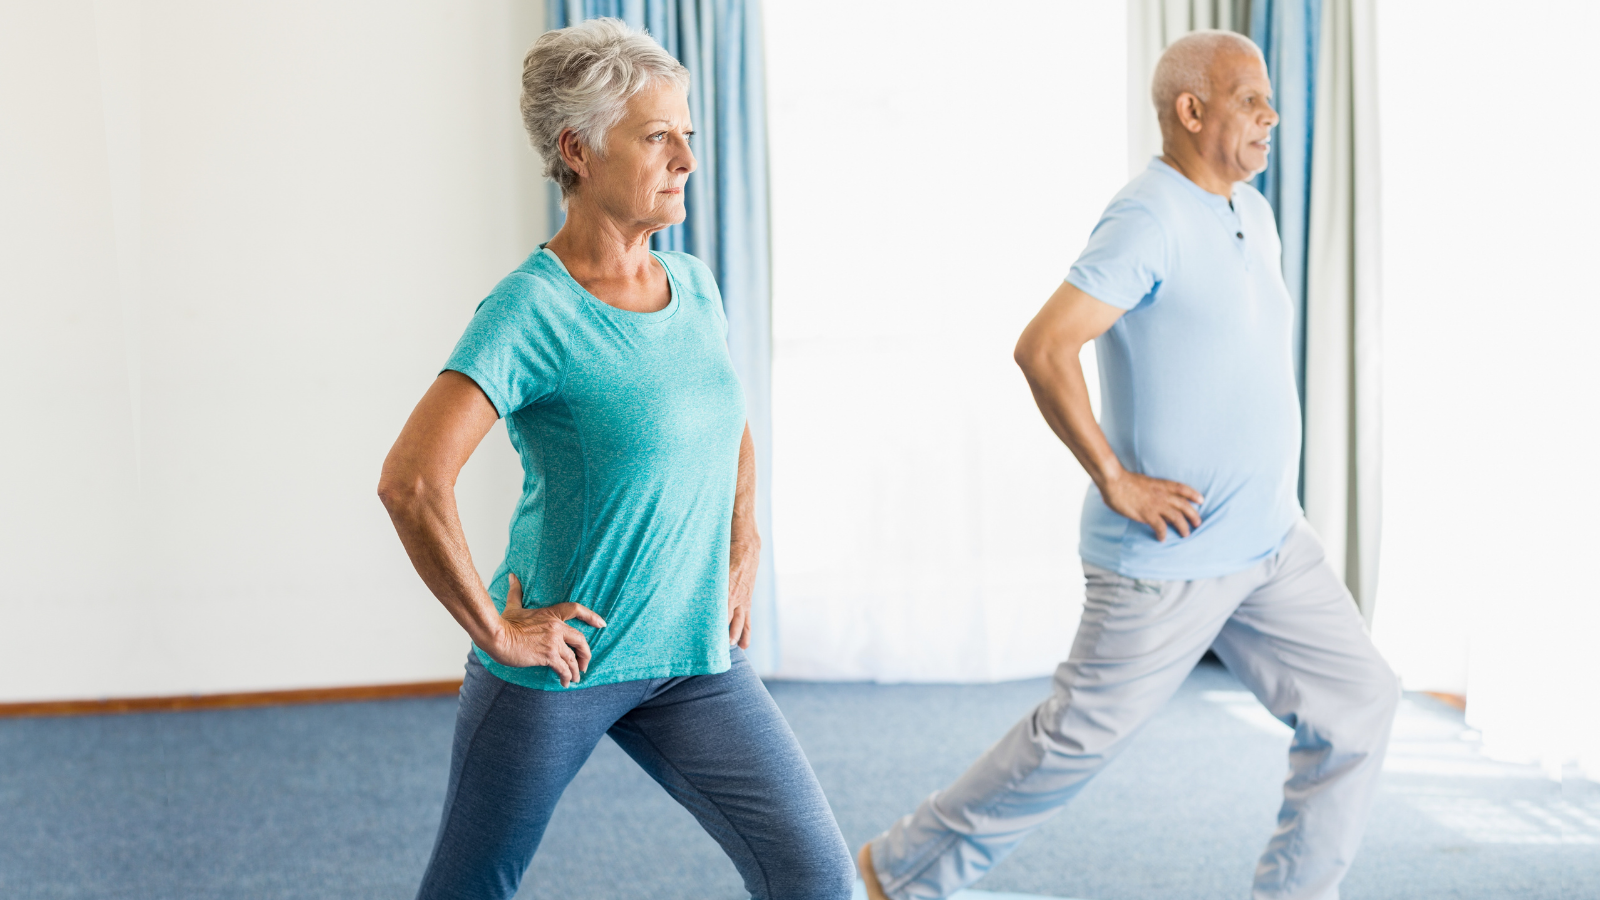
1125, 258
512, 348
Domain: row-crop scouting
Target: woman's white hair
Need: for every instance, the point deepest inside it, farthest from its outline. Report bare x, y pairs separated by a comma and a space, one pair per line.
580, 79
1185, 68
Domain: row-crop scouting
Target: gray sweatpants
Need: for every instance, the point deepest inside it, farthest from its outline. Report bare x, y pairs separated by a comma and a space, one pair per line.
1286, 627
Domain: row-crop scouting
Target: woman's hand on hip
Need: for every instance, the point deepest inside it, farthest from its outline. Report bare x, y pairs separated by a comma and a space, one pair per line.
542, 637
741, 583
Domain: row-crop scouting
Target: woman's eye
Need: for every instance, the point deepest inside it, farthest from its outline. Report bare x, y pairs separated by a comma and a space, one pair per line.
659, 136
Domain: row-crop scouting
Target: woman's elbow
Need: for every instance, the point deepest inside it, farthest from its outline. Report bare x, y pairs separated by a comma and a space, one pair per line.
398, 492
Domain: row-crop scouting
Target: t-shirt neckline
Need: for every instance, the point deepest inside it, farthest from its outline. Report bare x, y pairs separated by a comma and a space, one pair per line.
621, 315
1206, 196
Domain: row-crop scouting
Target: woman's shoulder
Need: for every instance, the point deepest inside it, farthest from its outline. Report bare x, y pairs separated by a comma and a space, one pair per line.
689, 271
533, 289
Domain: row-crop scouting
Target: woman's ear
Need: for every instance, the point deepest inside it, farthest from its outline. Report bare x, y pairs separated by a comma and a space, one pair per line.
574, 153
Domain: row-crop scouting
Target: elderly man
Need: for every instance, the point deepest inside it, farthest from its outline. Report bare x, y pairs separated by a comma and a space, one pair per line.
1192, 534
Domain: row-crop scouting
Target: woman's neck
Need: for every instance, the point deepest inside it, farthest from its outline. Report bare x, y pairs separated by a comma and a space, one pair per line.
598, 246
611, 261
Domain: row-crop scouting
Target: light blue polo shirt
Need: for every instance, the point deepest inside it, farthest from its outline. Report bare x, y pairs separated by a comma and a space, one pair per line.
1197, 378
628, 425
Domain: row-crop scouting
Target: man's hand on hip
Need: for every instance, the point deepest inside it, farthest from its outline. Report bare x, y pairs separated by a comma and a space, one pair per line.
1153, 501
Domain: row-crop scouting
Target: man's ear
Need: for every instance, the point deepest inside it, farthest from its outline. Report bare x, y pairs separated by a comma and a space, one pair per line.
1191, 110
573, 153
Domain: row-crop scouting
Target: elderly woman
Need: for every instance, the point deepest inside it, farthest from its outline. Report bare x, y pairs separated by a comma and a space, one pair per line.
623, 604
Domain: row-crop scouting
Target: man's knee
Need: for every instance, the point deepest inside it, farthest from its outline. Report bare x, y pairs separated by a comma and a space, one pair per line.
1361, 720
1380, 689
1063, 728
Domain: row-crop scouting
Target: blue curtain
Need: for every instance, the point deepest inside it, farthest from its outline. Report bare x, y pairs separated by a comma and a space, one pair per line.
1288, 31
720, 43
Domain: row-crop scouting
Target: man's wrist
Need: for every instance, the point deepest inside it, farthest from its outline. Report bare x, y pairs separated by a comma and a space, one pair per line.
1109, 474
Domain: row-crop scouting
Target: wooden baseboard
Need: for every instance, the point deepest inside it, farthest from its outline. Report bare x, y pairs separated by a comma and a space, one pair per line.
1458, 701
230, 701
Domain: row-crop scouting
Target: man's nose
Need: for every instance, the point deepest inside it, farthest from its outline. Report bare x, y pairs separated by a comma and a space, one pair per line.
1272, 116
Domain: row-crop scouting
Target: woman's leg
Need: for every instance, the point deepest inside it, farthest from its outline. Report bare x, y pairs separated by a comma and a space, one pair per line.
720, 747
515, 751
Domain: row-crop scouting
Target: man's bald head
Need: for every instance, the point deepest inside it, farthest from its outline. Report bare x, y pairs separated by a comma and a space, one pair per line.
1188, 67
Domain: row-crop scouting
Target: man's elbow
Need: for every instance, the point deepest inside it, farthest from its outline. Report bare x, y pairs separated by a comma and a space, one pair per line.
1028, 353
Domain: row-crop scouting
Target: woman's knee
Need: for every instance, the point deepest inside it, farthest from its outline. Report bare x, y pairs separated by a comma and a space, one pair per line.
829, 875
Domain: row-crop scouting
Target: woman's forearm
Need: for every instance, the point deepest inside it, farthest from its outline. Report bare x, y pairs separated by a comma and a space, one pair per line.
417, 487
426, 519
746, 538
744, 547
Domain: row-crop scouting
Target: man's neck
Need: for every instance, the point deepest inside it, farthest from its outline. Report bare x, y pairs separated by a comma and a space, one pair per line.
1193, 167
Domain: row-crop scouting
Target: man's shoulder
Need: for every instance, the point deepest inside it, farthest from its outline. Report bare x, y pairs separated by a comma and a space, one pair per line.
1150, 193
1247, 195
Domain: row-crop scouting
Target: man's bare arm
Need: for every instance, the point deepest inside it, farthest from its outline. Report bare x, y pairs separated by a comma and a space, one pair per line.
1048, 352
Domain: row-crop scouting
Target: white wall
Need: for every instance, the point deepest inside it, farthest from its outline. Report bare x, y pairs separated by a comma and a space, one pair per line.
1490, 376
935, 171
236, 242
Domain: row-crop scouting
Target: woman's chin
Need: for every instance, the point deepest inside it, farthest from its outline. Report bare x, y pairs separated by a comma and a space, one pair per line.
669, 215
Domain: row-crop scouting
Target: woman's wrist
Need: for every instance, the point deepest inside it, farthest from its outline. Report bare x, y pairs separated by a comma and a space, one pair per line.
488, 630
745, 544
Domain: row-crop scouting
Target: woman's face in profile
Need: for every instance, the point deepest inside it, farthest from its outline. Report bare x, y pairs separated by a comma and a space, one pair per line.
647, 160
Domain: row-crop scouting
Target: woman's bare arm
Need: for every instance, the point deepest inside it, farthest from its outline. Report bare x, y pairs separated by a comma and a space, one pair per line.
744, 550
417, 487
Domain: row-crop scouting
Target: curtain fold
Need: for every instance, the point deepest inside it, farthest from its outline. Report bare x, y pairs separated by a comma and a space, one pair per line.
727, 227
1288, 33
1341, 485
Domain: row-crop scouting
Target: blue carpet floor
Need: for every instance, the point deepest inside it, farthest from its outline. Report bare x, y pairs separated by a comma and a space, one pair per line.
341, 801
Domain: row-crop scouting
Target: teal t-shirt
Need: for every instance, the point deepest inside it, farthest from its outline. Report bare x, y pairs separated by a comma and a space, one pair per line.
628, 425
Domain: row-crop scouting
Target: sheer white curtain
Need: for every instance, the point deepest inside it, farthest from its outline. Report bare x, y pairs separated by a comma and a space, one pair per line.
934, 174
1490, 312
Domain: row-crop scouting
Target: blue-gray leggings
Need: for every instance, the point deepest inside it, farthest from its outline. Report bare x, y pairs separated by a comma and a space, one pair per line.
717, 743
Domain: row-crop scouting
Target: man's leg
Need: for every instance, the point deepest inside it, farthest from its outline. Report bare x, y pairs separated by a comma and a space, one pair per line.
1300, 645
1136, 643
720, 747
